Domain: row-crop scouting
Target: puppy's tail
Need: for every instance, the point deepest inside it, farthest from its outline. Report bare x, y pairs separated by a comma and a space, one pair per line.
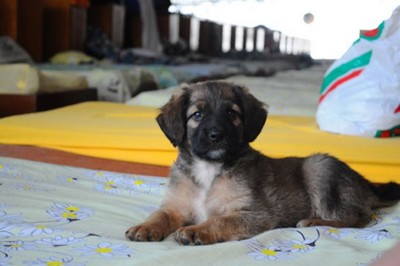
388, 194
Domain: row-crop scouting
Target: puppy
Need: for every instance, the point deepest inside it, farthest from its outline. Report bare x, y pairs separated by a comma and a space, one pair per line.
221, 189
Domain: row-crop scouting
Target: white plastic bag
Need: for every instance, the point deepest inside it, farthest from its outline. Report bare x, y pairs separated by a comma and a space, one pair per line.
111, 85
360, 93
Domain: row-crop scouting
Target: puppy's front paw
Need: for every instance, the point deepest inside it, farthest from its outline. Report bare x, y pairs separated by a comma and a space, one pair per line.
158, 226
195, 235
145, 232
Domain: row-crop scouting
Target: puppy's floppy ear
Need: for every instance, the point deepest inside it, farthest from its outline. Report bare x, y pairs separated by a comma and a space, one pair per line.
254, 113
172, 118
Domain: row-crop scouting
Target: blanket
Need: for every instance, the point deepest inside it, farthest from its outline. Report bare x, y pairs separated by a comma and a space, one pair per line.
58, 215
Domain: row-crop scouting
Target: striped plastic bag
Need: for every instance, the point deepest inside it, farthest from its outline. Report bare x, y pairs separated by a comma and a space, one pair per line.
360, 93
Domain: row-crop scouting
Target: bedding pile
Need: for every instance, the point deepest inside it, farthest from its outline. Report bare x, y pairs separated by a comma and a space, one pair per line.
58, 215
277, 91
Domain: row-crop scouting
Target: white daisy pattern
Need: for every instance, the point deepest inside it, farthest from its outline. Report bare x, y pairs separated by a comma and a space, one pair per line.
106, 250
115, 184
10, 218
337, 233
36, 230
5, 230
140, 184
69, 179
15, 246
262, 252
53, 260
281, 249
69, 212
59, 240
109, 185
373, 236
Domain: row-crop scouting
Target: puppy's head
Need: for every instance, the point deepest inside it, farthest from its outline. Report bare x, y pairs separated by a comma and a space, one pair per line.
212, 120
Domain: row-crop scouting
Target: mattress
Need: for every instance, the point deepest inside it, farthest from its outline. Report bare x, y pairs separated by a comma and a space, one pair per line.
130, 133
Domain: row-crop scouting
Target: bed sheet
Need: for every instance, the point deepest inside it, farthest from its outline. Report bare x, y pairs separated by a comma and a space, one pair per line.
58, 215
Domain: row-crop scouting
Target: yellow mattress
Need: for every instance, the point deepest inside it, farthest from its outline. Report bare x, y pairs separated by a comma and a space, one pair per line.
130, 133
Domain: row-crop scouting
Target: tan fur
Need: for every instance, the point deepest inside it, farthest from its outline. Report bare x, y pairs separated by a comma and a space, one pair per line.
226, 197
215, 229
159, 225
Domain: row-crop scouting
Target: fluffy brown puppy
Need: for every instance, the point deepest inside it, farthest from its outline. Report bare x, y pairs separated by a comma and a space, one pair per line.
221, 189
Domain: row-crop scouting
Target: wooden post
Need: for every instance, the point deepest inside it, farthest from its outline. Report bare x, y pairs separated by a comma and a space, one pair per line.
244, 38
110, 19
184, 28
64, 27
233, 38
163, 26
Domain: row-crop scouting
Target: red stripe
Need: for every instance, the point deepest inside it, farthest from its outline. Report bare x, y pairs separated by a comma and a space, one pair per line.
371, 33
397, 110
340, 82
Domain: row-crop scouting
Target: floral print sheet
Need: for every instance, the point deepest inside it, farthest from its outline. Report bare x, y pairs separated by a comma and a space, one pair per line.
58, 215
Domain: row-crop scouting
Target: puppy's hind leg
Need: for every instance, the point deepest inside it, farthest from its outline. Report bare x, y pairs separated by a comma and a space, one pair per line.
339, 196
321, 222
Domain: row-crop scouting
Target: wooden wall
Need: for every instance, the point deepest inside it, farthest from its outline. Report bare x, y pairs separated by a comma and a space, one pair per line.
46, 27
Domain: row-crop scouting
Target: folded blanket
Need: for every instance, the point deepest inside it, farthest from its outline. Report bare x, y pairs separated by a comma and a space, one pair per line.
130, 133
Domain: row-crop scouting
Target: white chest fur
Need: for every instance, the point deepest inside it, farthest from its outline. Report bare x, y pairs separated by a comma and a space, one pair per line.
204, 174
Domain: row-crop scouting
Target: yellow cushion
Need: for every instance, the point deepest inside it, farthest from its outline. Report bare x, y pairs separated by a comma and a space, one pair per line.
130, 133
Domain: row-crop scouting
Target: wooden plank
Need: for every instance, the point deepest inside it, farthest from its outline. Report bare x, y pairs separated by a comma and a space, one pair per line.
16, 104
45, 155
48, 101
12, 104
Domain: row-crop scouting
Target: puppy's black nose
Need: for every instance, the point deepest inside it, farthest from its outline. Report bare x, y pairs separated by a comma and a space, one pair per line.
215, 135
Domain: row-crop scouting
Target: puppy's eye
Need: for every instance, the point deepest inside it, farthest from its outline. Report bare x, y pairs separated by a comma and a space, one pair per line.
232, 114
197, 116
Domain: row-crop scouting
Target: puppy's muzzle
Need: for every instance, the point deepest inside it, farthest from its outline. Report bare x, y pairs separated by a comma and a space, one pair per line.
215, 135
210, 142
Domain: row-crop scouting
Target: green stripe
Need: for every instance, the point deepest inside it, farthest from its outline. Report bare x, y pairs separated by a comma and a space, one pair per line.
372, 38
357, 62
393, 132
